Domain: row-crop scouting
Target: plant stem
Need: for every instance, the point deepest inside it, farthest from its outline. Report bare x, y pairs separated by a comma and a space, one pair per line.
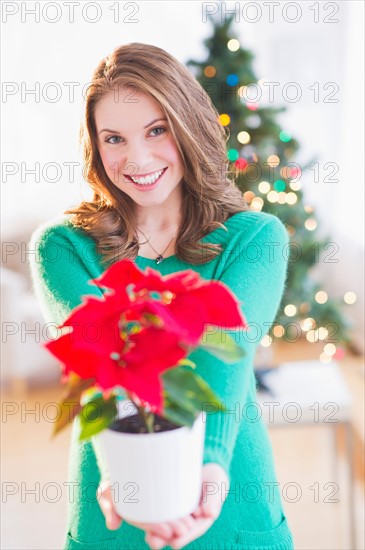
147, 417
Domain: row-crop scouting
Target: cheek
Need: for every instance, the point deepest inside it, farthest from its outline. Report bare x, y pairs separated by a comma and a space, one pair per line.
111, 161
170, 153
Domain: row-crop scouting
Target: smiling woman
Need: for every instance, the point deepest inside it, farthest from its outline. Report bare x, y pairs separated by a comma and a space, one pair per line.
155, 157
140, 157
145, 113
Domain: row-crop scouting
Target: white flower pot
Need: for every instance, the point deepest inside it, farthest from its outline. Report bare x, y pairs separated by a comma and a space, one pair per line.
154, 476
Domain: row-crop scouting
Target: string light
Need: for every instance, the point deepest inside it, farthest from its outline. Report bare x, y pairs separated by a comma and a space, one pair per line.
232, 154
272, 196
282, 197
257, 204
329, 349
210, 71
253, 106
273, 161
304, 307
233, 45
290, 310
264, 187
284, 136
279, 185
291, 198
321, 297
249, 196
312, 336
232, 80
278, 331
324, 358
244, 137
350, 298
295, 172
310, 224
315, 335
295, 185
241, 163
266, 341
241, 92
340, 353
308, 209
307, 324
285, 172
322, 333
224, 119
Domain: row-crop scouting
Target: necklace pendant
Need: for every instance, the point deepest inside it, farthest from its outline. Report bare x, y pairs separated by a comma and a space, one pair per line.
159, 259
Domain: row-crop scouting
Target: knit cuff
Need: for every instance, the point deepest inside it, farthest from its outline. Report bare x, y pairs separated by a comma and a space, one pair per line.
220, 438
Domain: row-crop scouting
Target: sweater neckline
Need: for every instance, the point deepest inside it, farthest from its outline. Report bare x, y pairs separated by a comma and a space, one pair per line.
173, 257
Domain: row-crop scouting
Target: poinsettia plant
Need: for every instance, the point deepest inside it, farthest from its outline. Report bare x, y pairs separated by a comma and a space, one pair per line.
134, 342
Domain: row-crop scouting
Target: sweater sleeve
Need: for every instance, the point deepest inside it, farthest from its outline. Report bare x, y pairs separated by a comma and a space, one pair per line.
256, 272
60, 271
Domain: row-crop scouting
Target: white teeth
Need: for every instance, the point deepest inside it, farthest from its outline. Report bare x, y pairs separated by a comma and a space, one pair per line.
148, 179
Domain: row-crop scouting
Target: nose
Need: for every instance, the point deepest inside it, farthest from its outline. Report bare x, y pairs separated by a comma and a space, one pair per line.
137, 156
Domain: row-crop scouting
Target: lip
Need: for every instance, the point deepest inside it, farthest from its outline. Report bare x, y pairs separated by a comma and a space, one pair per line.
148, 187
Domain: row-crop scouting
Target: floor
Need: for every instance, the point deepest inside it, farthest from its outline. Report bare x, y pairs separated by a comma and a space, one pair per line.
34, 469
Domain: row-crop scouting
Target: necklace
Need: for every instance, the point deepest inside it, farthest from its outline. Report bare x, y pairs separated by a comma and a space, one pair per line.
160, 257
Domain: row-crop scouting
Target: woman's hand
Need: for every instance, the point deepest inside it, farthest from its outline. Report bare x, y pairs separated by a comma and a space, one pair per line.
178, 533
162, 531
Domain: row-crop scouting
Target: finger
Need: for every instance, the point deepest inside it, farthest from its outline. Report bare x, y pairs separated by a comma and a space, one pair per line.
211, 509
162, 530
112, 519
198, 512
189, 522
179, 527
169, 530
155, 542
211, 505
200, 527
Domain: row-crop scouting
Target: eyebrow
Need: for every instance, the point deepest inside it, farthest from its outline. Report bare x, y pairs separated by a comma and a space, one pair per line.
144, 127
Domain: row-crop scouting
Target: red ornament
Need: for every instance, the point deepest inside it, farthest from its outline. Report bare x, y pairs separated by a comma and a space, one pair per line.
339, 354
241, 163
295, 172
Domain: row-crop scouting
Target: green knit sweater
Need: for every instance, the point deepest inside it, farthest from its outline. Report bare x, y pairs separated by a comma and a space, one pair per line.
253, 264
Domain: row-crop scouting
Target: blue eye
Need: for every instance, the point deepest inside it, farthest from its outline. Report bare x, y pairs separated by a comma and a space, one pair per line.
112, 137
159, 128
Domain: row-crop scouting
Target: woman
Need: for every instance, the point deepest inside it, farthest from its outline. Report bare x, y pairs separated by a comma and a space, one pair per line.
155, 157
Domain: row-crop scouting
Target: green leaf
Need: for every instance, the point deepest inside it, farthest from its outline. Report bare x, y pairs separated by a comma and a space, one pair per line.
70, 405
96, 415
227, 351
174, 413
185, 392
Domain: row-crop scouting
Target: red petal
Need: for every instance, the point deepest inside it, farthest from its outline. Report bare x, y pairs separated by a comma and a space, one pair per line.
119, 275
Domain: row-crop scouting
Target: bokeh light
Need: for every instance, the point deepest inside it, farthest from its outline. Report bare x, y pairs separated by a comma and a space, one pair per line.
233, 45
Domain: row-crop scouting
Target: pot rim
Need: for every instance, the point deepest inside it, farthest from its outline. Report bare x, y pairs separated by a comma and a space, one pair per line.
158, 434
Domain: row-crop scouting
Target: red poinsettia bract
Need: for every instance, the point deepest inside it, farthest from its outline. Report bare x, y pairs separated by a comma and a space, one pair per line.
144, 324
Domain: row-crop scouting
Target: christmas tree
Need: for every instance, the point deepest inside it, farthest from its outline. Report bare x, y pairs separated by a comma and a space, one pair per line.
262, 159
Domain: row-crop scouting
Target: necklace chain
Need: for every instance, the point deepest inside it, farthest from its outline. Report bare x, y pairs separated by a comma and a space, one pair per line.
160, 257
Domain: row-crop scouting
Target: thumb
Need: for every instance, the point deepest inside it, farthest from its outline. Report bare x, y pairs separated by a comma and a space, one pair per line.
112, 519
210, 505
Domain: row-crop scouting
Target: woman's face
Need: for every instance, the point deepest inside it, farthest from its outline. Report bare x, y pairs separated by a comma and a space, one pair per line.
137, 148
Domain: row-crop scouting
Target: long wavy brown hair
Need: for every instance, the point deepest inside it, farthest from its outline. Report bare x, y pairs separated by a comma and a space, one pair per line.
210, 195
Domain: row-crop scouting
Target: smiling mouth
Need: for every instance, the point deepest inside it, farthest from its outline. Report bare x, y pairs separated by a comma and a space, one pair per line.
148, 179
